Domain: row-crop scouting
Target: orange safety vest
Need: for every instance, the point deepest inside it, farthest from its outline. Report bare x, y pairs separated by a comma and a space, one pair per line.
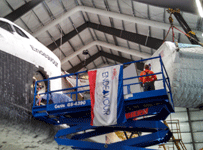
147, 78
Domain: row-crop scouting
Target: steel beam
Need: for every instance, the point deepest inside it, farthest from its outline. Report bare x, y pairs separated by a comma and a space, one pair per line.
120, 59
106, 55
67, 37
191, 131
22, 10
84, 63
133, 37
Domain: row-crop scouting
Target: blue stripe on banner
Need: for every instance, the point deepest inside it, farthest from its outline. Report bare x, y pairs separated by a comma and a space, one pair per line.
120, 101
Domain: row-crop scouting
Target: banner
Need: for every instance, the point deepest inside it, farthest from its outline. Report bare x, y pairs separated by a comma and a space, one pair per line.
106, 93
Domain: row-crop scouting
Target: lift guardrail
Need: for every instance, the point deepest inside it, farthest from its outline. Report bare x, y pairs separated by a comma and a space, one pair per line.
144, 112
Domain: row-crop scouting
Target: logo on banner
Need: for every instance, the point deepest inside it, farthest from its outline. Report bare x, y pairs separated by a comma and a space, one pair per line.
105, 93
114, 73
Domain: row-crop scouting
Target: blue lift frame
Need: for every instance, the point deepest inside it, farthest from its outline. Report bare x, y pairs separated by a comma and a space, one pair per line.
145, 112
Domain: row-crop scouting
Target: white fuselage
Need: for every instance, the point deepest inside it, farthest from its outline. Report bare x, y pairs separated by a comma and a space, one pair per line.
29, 49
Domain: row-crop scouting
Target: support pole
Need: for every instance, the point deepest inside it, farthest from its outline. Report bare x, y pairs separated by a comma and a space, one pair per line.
191, 131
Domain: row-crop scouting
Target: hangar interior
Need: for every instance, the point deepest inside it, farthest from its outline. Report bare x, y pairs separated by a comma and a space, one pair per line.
90, 34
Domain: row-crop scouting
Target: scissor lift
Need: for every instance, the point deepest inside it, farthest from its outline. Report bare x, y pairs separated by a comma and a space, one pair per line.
145, 112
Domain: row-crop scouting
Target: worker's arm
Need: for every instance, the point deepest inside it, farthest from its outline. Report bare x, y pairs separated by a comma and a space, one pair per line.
38, 100
153, 76
140, 78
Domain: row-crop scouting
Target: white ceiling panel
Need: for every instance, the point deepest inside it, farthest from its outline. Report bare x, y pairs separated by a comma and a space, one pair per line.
99, 4
102, 65
15, 4
153, 50
31, 21
115, 52
157, 33
98, 61
66, 26
82, 57
142, 29
113, 6
121, 42
93, 33
58, 53
90, 66
74, 61
156, 13
107, 50
136, 58
86, 36
55, 7
66, 66
126, 7
69, 4
93, 18
105, 20
5, 10
87, 3
44, 38
67, 49
126, 55
184, 39
77, 19
191, 19
109, 38
146, 49
93, 50
20, 23
118, 24
39, 10
76, 42
140, 10
55, 33
130, 27
111, 62
100, 35
85, 15
134, 46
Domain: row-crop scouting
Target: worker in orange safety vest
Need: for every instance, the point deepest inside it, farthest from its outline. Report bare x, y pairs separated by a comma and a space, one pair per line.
148, 81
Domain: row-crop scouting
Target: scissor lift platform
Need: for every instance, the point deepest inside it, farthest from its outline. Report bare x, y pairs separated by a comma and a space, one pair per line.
145, 112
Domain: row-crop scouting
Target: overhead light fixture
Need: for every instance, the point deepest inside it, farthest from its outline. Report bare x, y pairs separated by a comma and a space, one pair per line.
199, 6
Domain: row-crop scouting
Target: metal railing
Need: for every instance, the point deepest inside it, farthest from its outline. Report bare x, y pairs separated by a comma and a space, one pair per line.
75, 91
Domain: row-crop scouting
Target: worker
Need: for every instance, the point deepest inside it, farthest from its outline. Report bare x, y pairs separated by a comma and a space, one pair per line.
149, 66
53, 98
148, 81
39, 86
